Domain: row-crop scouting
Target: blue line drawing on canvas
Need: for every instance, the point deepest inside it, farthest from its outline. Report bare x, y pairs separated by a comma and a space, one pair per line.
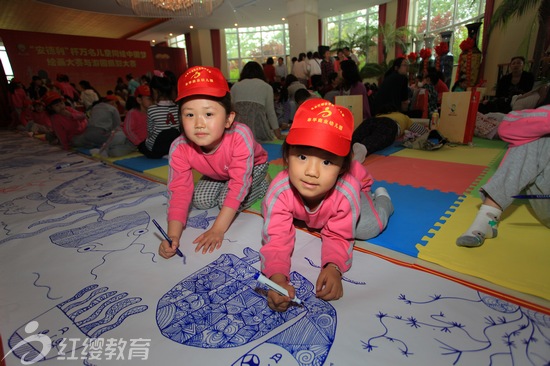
83, 190
48, 287
512, 335
90, 313
200, 221
219, 307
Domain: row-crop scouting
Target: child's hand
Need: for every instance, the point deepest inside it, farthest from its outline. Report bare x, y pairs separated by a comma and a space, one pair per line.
209, 240
329, 284
278, 302
166, 250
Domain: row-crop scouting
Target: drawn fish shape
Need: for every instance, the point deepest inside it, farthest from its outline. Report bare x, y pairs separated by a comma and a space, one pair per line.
97, 184
99, 230
90, 313
219, 307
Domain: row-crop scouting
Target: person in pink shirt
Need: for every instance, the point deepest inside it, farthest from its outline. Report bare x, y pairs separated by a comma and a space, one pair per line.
326, 189
66, 121
233, 165
525, 167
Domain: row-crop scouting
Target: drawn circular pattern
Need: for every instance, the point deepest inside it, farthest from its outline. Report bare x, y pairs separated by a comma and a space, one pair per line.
305, 357
325, 321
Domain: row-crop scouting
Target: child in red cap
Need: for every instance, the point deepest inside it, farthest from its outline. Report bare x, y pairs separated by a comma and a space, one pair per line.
327, 190
66, 121
233, 165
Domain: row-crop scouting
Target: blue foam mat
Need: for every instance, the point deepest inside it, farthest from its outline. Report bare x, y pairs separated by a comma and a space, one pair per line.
416, 210
141, 163
273, 151
390, 149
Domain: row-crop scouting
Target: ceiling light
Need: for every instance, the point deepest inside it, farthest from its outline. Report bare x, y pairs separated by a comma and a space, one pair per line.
171, 8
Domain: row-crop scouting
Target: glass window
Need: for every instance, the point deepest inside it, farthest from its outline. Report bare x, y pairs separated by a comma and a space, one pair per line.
355, 30
178, 42
255, 44
6, 62
431, 17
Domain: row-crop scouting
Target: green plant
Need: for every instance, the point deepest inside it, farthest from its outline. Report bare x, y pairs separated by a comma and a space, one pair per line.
389, 36
360, 41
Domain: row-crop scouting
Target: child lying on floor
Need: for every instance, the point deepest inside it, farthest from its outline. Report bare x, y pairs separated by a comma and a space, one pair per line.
327, 190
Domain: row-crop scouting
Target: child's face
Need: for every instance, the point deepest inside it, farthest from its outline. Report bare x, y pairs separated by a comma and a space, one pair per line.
58, 107
313, 172
145, 101
204, 122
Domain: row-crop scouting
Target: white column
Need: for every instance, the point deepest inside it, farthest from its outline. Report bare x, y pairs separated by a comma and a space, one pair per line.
302, 17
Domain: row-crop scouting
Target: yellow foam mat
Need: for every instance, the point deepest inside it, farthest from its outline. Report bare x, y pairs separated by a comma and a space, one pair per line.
517, 258
112, 160
455, 154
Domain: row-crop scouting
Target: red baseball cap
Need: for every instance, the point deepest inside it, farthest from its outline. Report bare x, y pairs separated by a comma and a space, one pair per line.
142, 91
321, 124
50, 97
202, 80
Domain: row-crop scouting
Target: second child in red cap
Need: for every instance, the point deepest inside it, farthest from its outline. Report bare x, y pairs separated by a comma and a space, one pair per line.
327, 190
233, 165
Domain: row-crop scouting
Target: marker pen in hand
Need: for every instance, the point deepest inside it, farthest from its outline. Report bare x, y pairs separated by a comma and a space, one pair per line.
178, 251
275, 287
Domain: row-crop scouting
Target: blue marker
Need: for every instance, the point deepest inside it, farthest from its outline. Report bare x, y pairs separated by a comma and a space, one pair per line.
178, 251
273, 286
532, 196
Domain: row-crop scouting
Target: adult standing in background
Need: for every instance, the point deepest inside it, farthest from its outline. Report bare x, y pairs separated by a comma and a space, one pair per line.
350, 55
269, 70
327, 68
253, 100
281, 70
314, 64
132, 84
300, 69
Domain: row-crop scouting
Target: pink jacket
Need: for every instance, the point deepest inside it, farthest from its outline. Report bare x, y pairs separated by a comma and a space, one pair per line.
233, 161
336, 217
520, 127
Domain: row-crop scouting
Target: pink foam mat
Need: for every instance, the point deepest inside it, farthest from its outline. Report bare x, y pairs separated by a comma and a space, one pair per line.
430, 174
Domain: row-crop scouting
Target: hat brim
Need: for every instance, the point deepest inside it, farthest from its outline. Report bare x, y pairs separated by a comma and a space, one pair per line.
320, 139
210, 92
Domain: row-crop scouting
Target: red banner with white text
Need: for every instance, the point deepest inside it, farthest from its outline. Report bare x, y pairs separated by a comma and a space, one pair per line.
98, 60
